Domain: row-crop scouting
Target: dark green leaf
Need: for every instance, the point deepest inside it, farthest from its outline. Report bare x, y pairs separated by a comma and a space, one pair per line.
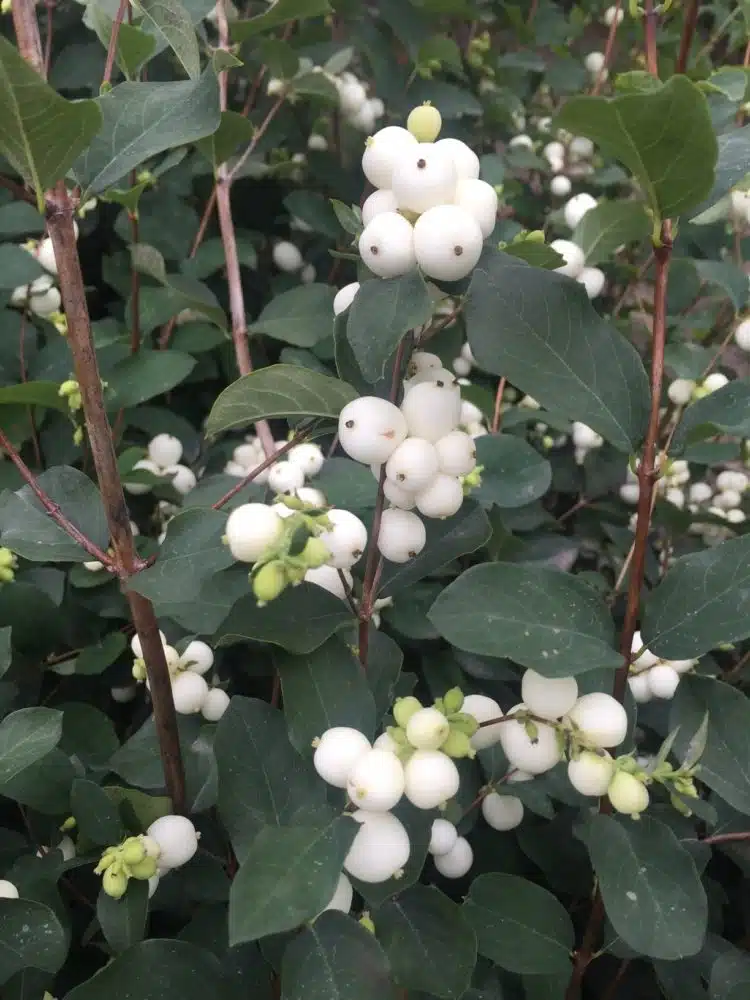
19, 219
234, 130
41, 133
383, 310
447, 539
172, 22
730, 976
726, 276
277, 391
183, 291
539, 617
29, 530
725, 761
302, 316
430, 945
191, 553
6, 653
731, 168
513, 473
26, 736
281, 12
539, 330
536, 254
664, 137
609, 226
17, 266
323, 689
123, 921
159, 969
31, 937
134, 49
34, 394
317, 615
651, 888
262, 778
145, 375
335, 958
726, 411
287, 876
97, 657
95, 814
701, 602
143, 119
519, 925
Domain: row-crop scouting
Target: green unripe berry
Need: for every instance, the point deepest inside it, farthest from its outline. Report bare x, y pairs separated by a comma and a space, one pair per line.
315, 553
269, 581
425, 122
132, 852
144, 869
453, 700
404, 708
115, 882
139, 670
462, 722
107, 859
366, 921
458, 744
6, 574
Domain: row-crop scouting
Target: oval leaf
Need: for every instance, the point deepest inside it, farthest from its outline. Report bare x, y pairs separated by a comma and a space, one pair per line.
31, 937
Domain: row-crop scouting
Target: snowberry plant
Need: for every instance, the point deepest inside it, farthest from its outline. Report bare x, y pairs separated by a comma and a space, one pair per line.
373, 550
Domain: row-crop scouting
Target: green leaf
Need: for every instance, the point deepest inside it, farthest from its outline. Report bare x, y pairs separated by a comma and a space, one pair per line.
431, 946
335, 958
20, 219
287, 876
95, 813
731, 168
277, 391
539, 617
535, 254
701, 602
316, 612
191, 553
349, 217
25, 737
158, 969
726, 411
663, 137
302, 316
6, 652
725, 761
234, 130
727, 276
34, 394
41, 133
144, 375
326, 688
730, 976
447, 539
143, 119
172, 22
519, 925
94, 659
28, 530
279, 13
31, 937
383, 310
609, 226
134, 49
513, 473
17, 266
123, 921
184, 291
539, 330
263, 781
651, 888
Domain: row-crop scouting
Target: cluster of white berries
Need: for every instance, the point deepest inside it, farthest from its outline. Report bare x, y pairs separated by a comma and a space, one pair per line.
190, 691
593, 279
464, 363
585, 439
42, 297
612, 14
682, 391
652, 676
169, 843
568, 156
359, 110
287, 256
594, 63
164, 454
426, 457
302, 462
430, 209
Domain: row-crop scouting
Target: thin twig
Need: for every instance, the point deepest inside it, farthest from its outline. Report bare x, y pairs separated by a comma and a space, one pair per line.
53, 509
718, 33
112, 47
649, 34
24, 377
135, 286
727, 838
497, 416
688, 31
271, 460
608, 48
50, 7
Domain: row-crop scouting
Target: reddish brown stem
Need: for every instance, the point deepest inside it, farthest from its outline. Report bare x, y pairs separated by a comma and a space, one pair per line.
50, 6
22, 372
297, 439
608, 48
135, 289
53, 509
688, 31
727, 838
649, 35
497, 416
113, 37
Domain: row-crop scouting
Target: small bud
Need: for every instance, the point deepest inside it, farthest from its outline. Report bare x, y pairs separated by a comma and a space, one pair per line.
68, 825
453, 700
132, 851
139, 670
78, 436
144, 870
458, 745
425, 122
269, 581
68, 387
115, 882
105, 861
462, 722
366, 921
315, 553
404, 708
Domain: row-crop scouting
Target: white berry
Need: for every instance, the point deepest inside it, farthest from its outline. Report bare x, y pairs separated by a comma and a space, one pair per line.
7, 889
251, 529
421, 361
402, 535
742, 334
457, 862
135, 644
383, 152
413, 465
396, 495
377, 203
376, 782
346, 539
502, 812
197, 657
680, 391
640, 688
342, 897
370, 429
425, 177
337, 752
532, 755
215, 705
464, 158
590, 773
483, 709
594, 62
285, 477
572, 255
183, 479
593, 280
560, 186
380, 849
309, 457
176, 838
427, 729
443, 837
457, 453
432, 409
663, 680
715, 381
479, 199
431, 778
386, 245
442, 498
447, 242
287, 256
165, 449
344, 297
328, 578
548, 697
602, 720
189, 692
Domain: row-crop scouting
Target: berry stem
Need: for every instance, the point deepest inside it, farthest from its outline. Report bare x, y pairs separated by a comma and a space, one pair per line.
688, 30
299, 436
113, 37
601, 75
